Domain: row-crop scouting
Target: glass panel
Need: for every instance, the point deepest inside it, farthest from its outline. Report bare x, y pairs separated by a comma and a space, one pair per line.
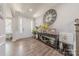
8, 25
20, 25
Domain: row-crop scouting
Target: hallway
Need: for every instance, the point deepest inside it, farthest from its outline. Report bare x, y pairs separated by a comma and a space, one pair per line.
52, 23
29, 47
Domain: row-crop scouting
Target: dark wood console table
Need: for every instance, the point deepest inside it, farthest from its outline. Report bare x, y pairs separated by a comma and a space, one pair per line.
52, 40
49, 39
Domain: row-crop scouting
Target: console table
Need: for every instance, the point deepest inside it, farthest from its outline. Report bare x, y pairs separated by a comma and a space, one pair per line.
52, 40
49, 39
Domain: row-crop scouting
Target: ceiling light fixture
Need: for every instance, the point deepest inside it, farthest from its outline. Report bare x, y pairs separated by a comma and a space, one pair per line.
30, 10
34, 15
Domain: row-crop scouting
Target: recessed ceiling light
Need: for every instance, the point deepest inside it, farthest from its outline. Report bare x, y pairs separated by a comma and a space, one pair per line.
30, 10
34, 15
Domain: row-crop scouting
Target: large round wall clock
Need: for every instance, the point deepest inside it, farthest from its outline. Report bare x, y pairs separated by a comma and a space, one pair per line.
50, 16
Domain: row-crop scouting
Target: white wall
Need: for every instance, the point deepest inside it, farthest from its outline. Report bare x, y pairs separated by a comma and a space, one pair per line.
39, 21
15, 24
2, 27
26, 28
66, 14
2, 35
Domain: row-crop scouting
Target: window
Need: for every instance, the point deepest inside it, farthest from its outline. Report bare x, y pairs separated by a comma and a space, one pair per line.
8, 25
20, 26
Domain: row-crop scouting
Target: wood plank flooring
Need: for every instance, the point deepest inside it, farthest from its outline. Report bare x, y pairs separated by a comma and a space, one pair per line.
29, 47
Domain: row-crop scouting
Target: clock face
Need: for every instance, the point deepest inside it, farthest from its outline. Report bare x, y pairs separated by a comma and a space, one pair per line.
50, 16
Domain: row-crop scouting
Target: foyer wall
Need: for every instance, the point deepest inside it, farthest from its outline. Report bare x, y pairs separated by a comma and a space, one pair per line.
2, 30
2, 27
66, 15
26, 28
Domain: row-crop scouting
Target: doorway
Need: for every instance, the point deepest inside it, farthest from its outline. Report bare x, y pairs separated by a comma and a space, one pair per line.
8, 29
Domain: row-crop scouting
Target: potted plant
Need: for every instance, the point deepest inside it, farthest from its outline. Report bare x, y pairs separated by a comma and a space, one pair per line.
34, 31
44, 27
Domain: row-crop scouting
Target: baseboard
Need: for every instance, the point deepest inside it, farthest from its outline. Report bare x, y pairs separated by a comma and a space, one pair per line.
21, 38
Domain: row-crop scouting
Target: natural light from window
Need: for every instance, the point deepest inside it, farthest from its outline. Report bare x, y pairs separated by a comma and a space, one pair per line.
20, 26
8, 25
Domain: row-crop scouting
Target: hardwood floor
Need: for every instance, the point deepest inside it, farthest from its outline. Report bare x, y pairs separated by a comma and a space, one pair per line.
29, 47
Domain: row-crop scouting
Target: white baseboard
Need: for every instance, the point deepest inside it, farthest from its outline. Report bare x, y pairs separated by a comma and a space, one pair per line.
21, 38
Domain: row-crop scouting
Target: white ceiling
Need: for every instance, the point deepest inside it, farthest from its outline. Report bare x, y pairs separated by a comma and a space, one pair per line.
23, 8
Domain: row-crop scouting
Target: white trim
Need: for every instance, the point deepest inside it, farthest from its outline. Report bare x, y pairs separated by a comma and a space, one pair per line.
21, 38
3, 40
2, 43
